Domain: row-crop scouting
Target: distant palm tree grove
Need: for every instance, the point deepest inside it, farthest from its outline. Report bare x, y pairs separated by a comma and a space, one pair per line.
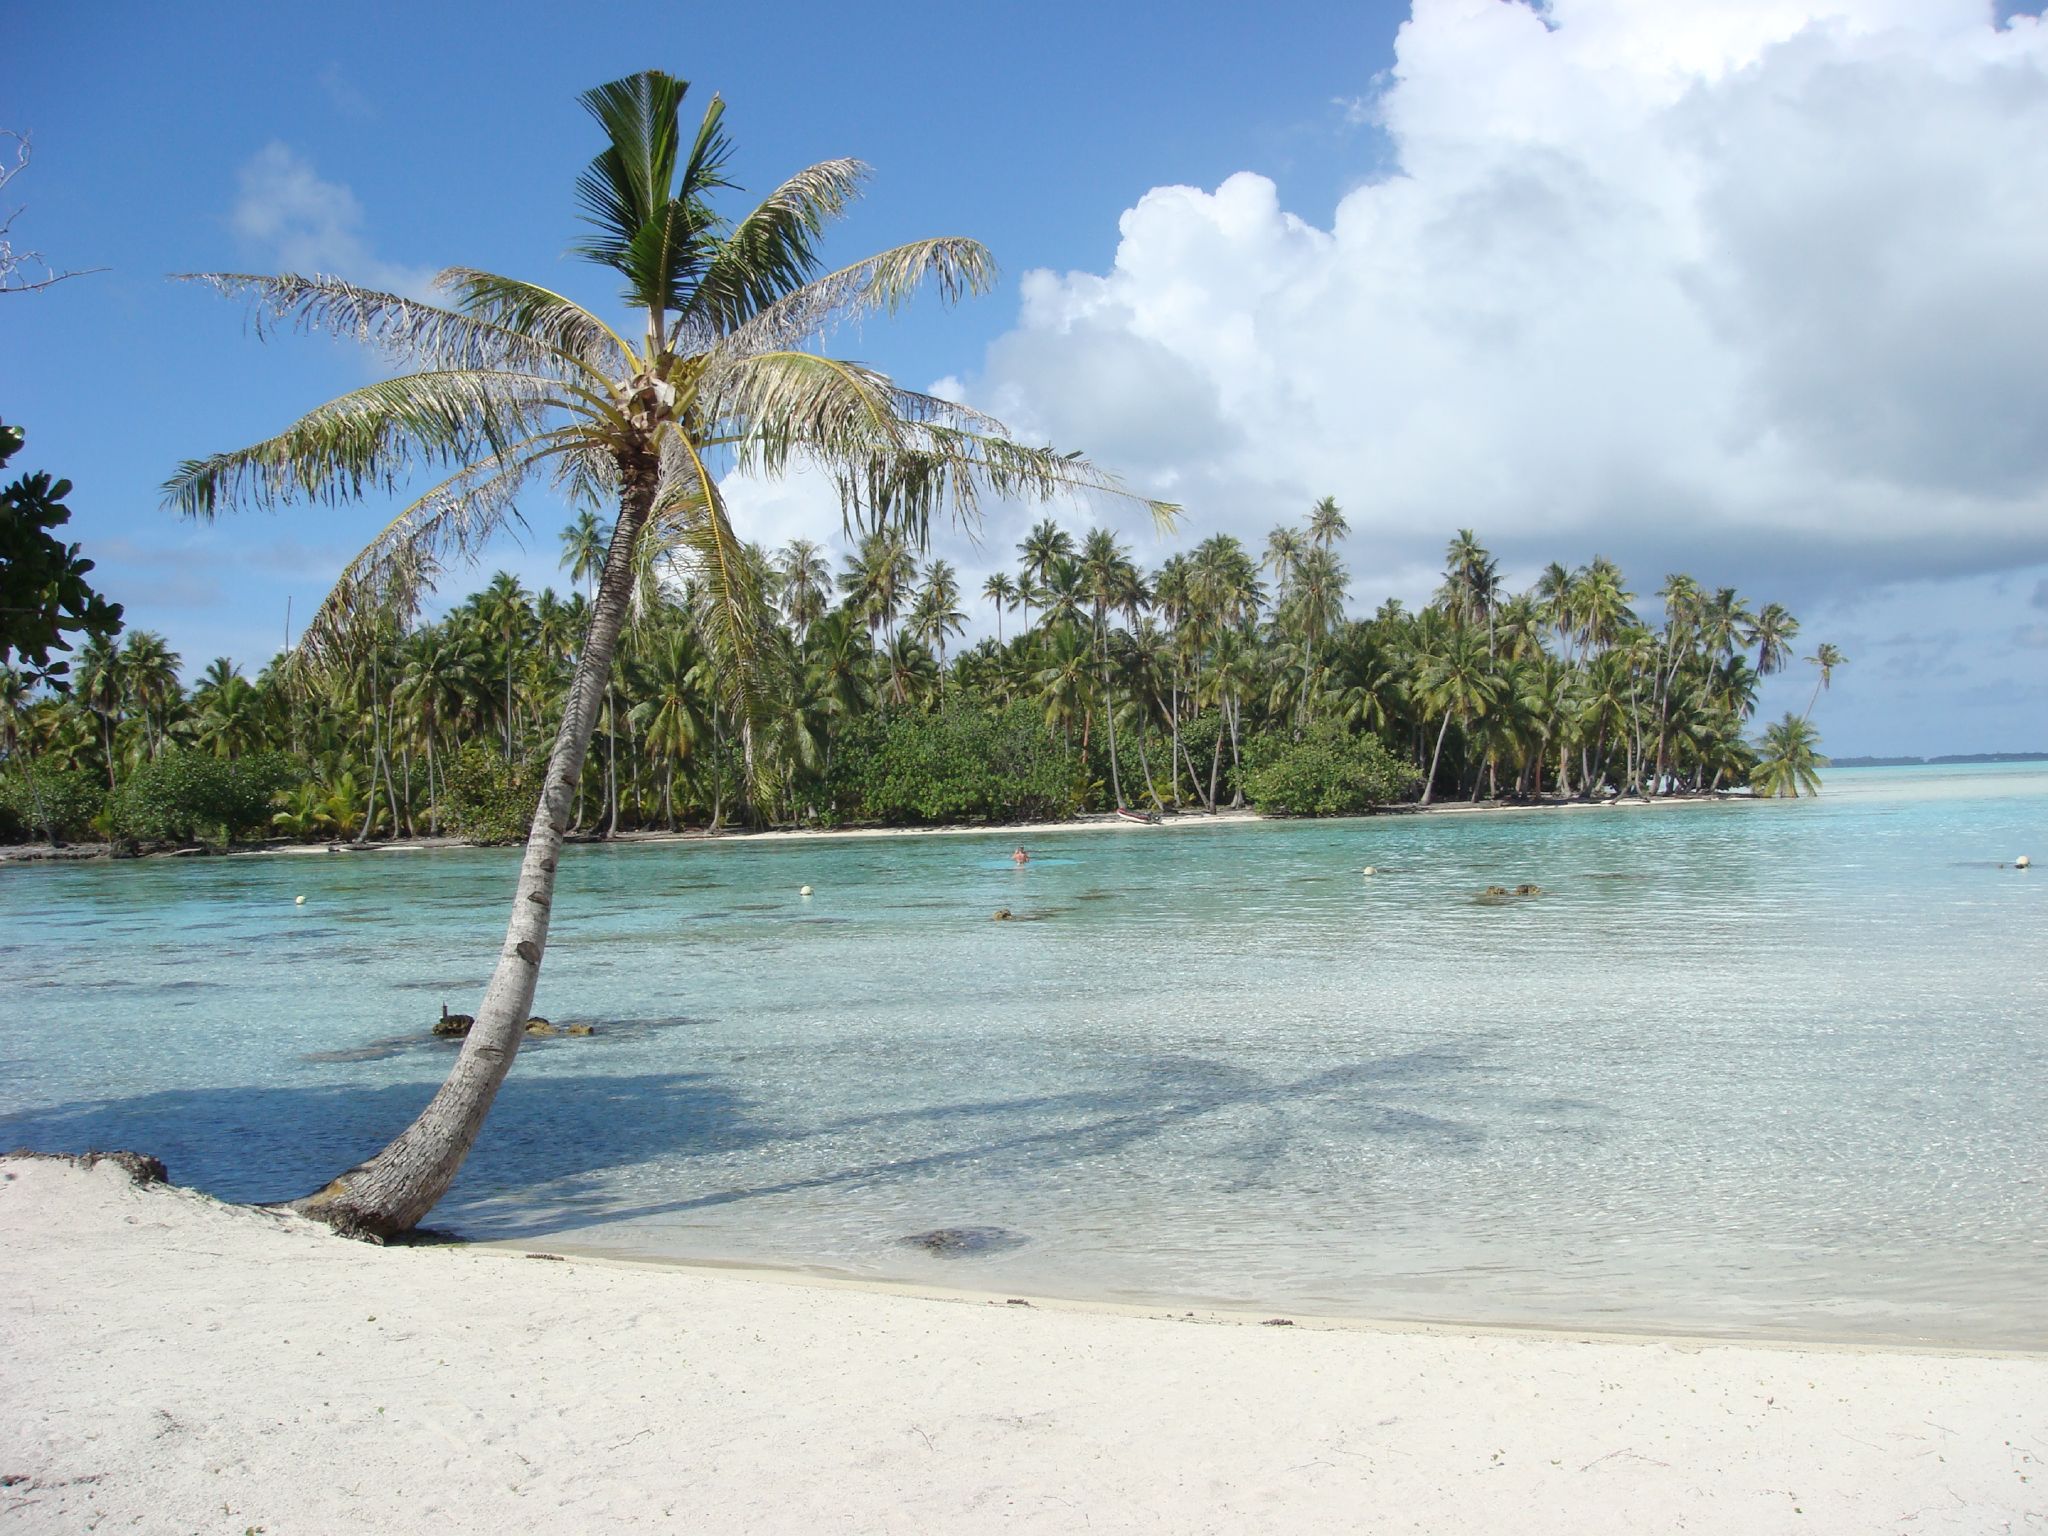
1222, 678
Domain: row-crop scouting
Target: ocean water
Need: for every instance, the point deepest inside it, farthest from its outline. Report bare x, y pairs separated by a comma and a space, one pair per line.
1759, 1069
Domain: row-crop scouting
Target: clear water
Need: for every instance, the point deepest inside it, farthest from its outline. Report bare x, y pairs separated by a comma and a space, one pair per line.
1748, 1068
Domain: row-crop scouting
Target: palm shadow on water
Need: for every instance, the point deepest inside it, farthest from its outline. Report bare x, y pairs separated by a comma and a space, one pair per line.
540, 1164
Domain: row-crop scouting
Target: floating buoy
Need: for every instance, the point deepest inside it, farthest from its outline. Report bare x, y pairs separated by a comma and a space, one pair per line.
2023, 862
805, 891
298, 901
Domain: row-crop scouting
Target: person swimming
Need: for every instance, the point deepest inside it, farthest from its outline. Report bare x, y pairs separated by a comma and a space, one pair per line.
1020, 856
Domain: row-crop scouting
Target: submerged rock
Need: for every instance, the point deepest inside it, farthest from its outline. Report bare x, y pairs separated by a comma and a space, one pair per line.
956, 1242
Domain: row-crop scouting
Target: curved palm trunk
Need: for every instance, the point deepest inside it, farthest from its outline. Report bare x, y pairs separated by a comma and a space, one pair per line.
1429, 784
396, 1188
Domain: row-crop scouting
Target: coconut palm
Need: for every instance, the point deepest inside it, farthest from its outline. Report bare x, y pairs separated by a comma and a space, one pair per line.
1771, 632
509, 380
1326, 524
149, 670
1826, 658
1455, 683
1001, 592
1789, 762
1043, 548
805, 577
583, 550
935, 614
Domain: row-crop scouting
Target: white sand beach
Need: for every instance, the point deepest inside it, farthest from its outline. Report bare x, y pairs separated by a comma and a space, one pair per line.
172, 1364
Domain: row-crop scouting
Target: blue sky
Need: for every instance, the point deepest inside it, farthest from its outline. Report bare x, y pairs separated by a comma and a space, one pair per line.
1586, 282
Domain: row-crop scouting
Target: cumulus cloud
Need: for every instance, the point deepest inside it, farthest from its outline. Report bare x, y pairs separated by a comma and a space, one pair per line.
1749, 288
303, 223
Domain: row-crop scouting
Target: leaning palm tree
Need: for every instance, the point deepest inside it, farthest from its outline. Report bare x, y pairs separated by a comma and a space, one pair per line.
510, 380
1826, 657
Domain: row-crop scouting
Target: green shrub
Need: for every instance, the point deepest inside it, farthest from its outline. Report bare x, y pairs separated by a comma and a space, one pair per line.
64, 801
1327, 772
489, 800
960, 763
186, 796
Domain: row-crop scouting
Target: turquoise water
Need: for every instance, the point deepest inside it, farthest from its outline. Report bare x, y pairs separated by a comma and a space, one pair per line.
1758, 1068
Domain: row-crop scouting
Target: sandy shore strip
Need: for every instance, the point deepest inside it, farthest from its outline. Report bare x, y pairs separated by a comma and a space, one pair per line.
172, 1364
1023, 831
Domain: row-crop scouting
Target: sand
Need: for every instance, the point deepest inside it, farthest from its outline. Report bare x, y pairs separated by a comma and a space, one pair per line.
170, 1364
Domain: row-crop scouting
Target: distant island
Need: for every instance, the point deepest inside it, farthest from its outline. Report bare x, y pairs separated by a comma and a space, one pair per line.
1931, 762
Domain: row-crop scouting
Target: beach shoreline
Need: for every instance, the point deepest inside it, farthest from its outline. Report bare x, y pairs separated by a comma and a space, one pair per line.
1222, 1314
43, 853
182, 1364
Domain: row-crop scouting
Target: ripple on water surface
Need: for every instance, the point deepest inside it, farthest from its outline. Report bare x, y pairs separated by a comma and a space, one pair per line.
1757, 1068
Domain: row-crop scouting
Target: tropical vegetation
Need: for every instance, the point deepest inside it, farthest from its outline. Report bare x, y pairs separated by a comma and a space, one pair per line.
1208, 680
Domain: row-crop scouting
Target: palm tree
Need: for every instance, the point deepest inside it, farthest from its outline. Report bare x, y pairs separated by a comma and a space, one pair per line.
583, 550
877, 580
1456, 683
936, 615
1790, 761
806, 578
1771, 632
1043, 548
102, 686
502, 610
673, 711
512, 379
1827, 658
1001, 592
1326, 524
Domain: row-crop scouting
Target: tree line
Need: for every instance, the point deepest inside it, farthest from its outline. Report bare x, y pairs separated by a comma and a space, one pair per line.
1222, 677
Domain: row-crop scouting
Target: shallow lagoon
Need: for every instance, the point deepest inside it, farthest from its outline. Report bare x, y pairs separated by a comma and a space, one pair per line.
1771, 1069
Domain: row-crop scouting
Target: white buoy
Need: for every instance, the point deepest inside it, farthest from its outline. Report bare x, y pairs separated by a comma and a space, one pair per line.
2023, 862
805, 891
298, 901
1369, 870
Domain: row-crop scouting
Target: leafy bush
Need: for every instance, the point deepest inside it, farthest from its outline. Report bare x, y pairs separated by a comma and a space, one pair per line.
1328, 772
959, 763
186, 796
66, 801
490, 800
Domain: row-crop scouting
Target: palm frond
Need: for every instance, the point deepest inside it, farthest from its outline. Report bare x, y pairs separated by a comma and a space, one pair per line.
882, 283
402, 329
368, 438
651, 230
455, 518
546, 316
772, 404
689, 519
772, 250
896, 456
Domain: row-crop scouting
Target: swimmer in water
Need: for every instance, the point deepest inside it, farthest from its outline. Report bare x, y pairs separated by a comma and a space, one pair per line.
1020, 856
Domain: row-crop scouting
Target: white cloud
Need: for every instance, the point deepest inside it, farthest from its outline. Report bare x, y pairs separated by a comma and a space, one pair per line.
1750, 288
301, 223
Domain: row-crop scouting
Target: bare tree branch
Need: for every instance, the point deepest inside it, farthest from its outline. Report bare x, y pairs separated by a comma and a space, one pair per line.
16, 266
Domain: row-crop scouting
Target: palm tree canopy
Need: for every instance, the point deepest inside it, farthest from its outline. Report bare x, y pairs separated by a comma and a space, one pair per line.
510, 379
